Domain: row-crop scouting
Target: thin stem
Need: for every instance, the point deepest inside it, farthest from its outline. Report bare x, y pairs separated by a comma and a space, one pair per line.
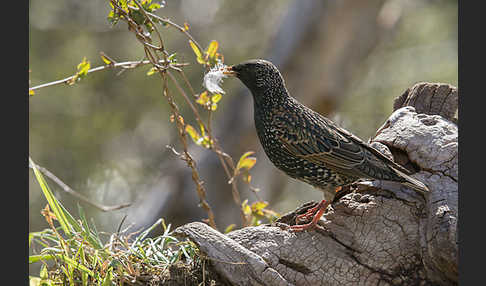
124, 65
187, 157
170, 23
184, 95
155, 28
215, 147
152, 56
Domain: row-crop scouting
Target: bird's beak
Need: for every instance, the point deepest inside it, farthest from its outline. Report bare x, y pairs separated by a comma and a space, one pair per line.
229, 71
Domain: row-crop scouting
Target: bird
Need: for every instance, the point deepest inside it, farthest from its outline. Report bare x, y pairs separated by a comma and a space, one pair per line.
306, 145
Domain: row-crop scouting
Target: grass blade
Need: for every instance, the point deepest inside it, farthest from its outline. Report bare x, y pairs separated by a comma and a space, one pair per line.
53, 202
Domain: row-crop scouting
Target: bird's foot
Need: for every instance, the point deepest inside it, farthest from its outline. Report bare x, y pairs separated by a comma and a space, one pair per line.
308, 214
315, 213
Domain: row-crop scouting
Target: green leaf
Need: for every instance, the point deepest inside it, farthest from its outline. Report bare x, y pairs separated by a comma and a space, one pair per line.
246, 162
245, 207
53, 202
40, 257
216, 97
203, 98
88, 234
124, 5
201, 127
83, 67
212, 49
153, 7
206, 142
108, 280
258, 206
75, 264
193, 133
112, 19
43, 274
229, 228
172, 58
152, 71
105, 59
197, 52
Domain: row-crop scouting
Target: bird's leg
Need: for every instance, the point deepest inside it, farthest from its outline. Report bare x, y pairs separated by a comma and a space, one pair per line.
310, 212
317, 213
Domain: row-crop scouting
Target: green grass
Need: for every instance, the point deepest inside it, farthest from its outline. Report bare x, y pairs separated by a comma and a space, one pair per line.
73, 253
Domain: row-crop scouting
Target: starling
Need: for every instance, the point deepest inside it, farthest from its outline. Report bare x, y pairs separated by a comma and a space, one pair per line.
308, 146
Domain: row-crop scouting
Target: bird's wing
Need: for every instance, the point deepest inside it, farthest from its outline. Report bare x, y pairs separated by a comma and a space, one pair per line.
377, 154
307, 137
319, 140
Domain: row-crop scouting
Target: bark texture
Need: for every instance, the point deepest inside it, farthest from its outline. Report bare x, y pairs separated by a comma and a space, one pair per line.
379, 233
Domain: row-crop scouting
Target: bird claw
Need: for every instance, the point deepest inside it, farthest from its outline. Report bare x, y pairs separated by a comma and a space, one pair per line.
315, 213
305, 217
308, 214
306, 227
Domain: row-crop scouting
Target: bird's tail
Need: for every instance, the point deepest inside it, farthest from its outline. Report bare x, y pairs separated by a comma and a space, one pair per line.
413, 183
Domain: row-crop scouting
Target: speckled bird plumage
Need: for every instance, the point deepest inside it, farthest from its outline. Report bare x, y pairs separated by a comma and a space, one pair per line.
306, 145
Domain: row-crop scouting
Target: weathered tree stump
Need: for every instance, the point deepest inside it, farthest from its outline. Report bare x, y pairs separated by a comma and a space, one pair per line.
381, 233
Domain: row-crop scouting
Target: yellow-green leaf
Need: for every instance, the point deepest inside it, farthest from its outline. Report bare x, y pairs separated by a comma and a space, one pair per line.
153, 7
40, 257
212, 49
216, 97
245, 161
151, 71
248, 153
229, 228
258, 206
198, 53
201, 127
206, 142
43, 274
105, 59
203, 98
193, 133
55, 205
246, 208
108, 280
83, 67
248, 163
124, 5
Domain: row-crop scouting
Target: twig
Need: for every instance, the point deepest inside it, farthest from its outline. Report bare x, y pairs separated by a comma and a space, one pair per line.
124, 65
187, 157
184, 31
156, 30
72, 192
151, 53
215, 146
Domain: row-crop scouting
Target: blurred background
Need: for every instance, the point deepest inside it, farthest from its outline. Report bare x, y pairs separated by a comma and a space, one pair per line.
106, 136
